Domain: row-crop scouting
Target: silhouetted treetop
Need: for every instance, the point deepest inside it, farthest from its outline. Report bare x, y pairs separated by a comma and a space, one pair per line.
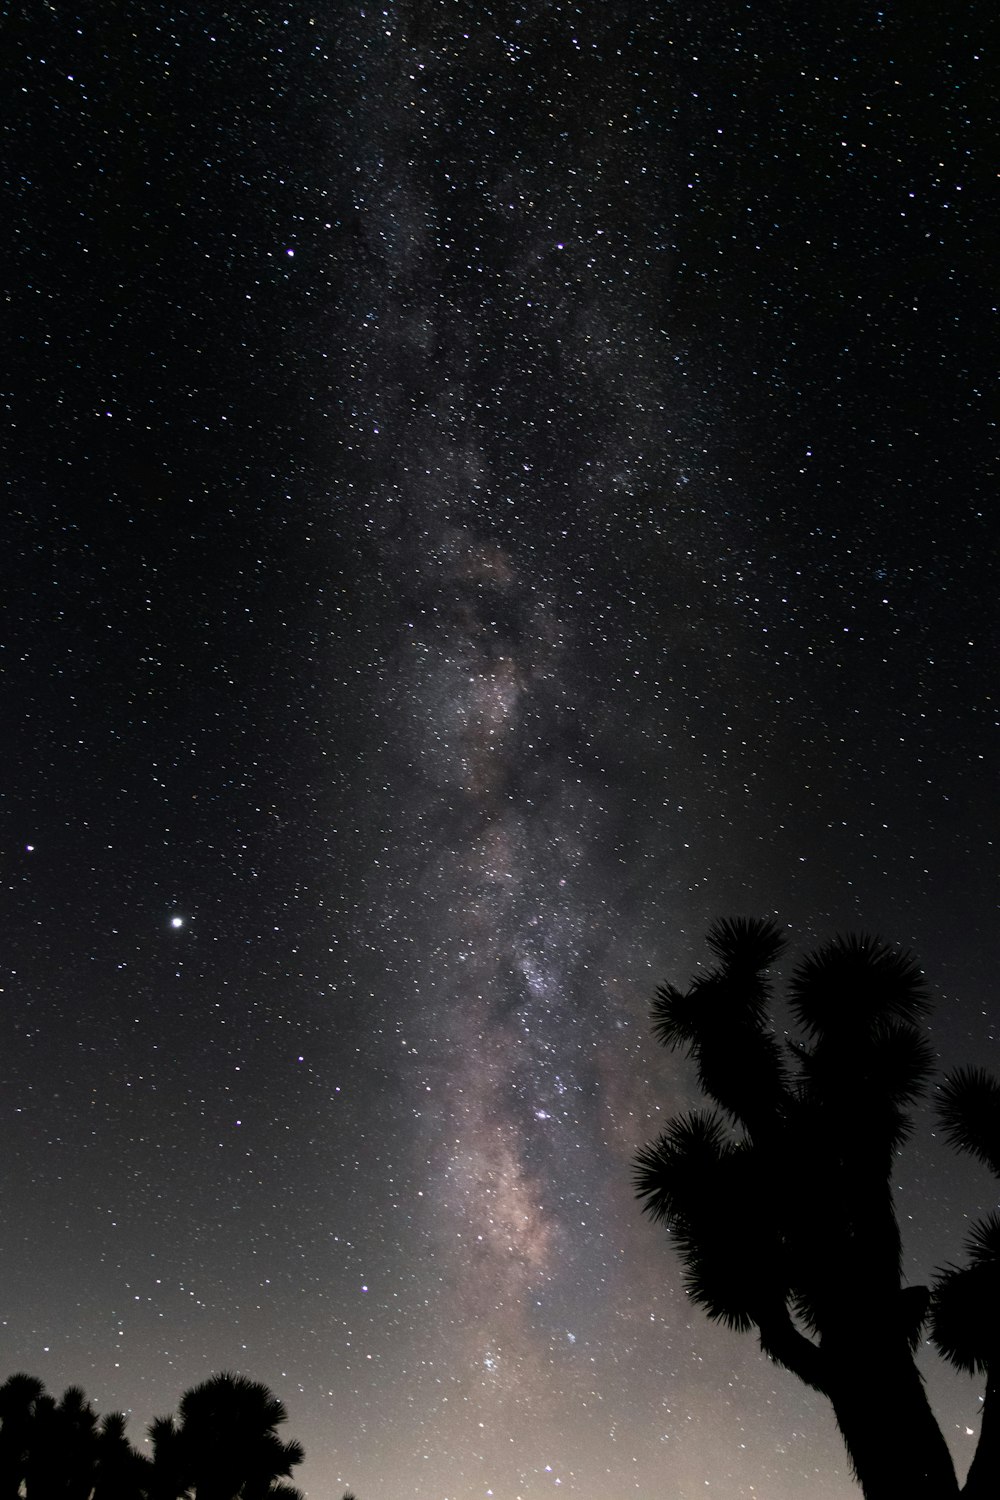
224, 1446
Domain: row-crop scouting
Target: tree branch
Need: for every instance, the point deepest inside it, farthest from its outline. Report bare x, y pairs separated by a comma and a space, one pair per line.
783, 1342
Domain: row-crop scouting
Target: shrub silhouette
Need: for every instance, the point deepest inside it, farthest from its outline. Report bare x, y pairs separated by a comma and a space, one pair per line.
223, 1445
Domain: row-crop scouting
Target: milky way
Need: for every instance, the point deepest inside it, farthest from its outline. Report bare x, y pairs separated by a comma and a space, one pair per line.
496, 488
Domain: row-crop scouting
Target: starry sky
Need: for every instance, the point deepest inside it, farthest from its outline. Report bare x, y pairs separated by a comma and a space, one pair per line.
490, 488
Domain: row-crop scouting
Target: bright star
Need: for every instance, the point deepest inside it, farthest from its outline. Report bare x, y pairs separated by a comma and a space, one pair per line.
177, 921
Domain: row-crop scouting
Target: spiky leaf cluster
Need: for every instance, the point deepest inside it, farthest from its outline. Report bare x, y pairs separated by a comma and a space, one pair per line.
965, 1309
722, 1023
225, 1443
969, 1110
853, 983
803, 1148
699, 1182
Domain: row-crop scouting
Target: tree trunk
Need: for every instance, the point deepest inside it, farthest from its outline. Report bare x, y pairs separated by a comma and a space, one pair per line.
891, 1434
983, 1480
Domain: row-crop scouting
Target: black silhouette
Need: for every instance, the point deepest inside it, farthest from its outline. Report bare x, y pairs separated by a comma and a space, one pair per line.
781, 1201
224, 1446
121, 1473
18, 1396
62, 1459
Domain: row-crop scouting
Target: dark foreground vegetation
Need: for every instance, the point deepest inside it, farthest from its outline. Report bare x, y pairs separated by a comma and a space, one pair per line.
222, 1445
780, 1198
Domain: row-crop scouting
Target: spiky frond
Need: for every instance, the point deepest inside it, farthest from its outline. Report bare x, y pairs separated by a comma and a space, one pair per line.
21, 1389
113, 1426
673, 1172
746, 947
963, 1317
708, 1189
965, 1306
749, 944
75, 1407
292, 1454
722, 1022
675, 1017
983, 1243
969, 1111
162, 1430
853, 983
234, 1398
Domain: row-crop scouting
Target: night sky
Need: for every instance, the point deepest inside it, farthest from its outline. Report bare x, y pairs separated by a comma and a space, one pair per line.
490, 489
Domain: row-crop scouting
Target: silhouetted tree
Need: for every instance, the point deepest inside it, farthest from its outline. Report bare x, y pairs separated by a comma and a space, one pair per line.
780, 1199
62, 1458
121, 1473
167, 1479
18, 1397
225, 1446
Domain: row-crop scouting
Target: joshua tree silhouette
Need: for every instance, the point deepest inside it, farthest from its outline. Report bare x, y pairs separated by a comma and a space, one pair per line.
19, 1395
780, 1198
225, 1445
